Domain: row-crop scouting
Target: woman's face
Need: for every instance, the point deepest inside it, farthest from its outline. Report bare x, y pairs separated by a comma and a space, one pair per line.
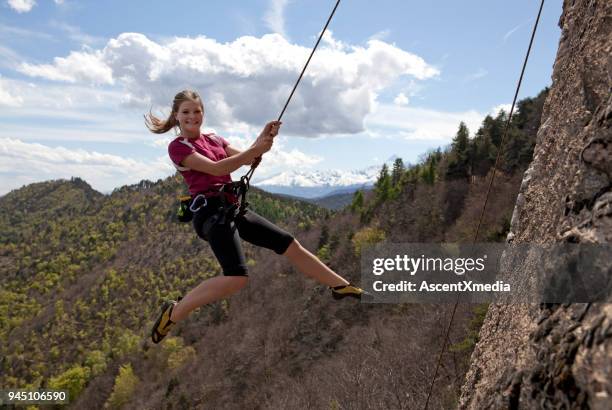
189, 117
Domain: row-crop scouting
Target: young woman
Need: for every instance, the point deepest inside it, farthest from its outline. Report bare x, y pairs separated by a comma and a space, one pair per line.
205, 162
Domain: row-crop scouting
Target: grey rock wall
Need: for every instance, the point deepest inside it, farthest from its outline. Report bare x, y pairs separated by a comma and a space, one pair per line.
559, 356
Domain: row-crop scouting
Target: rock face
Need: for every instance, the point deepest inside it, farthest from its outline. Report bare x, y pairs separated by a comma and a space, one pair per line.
559, 356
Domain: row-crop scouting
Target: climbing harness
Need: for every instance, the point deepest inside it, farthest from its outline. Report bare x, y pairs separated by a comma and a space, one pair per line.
230, 193
501, 144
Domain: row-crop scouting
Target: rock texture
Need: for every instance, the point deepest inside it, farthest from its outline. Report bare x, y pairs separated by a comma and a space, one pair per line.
559, 356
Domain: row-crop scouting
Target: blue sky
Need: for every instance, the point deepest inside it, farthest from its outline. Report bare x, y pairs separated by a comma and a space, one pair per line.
391, 78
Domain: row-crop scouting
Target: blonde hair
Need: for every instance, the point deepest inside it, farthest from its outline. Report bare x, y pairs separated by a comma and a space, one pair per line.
159, 126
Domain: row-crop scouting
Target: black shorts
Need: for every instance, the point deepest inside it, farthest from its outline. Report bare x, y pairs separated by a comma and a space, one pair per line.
224, 239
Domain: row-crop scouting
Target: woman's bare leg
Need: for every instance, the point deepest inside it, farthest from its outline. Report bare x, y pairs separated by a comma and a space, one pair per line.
311, 266
221, 287
206, 292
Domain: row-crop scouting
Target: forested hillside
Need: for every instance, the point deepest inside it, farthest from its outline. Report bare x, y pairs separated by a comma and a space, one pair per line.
83, 274
440, 198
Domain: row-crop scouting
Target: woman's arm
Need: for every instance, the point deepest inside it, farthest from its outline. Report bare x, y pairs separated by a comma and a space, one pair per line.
263, 143
199, 162
231, 151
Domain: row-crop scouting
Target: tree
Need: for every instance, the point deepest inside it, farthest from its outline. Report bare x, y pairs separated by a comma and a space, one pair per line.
492, 127
324, 237
497, 128
461, 141
529, 113
483, 151
367, 236
458, 164
124, 388
73, 380
514, 150
397, 172
382, 188
428, 172
357, 203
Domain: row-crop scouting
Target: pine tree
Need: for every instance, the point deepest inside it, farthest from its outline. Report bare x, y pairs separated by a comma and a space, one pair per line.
357, 203
461, 141
497, 129
458, 165
428, 172
492, 128
513, 150
382, 188
397, 172
483, 151
324, 238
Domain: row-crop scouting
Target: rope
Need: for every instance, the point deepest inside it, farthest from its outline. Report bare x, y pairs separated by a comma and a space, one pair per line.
448, 328
248, 175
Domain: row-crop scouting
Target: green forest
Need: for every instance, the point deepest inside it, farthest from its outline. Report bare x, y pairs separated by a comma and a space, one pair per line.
83, 274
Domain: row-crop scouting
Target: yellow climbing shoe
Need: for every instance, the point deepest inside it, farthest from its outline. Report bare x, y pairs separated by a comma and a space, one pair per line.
163, 325
340, 292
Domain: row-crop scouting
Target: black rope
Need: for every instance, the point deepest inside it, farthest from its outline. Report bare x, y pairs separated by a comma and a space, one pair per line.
450, 323
307, 62
248, 175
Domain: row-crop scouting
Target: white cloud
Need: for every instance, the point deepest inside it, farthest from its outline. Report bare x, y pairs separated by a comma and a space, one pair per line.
506, 107
68, 112
420, 124
7, 98
247, 80
401, 99
274, 17
59, 1
510, 32
331, 42
76, 34
381, 35
278, 160
81, 66
162, 142
9, 58
23, 163
480, 73
513, 30
18, 32
21, 6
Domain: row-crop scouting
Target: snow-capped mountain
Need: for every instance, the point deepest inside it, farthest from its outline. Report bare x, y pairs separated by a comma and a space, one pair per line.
319, 183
